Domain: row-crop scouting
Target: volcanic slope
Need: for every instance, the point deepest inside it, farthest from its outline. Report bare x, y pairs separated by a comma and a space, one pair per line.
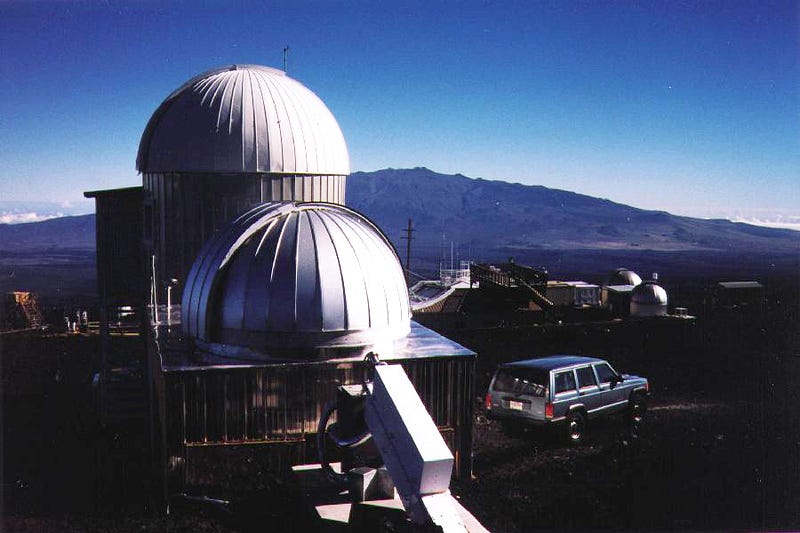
485, 214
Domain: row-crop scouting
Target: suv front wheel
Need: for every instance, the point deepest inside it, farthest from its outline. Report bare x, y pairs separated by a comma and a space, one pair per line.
576, 427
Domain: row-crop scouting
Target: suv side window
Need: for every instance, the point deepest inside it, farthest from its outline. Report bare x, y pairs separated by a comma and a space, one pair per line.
604, 372
586, 377
564, 381
521, 381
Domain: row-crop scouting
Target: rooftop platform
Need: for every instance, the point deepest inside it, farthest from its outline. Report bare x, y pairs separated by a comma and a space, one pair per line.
180, 354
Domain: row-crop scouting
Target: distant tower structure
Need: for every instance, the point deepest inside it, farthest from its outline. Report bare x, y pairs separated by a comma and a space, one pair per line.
223, 142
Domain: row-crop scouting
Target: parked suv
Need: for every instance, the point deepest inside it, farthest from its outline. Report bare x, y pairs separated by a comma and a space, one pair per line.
564, 389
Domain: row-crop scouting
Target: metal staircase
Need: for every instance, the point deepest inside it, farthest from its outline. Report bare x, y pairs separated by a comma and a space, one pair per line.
513, 276
541, 300
27, 309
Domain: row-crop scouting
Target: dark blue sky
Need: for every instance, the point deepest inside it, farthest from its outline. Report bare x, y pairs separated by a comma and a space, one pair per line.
691, 107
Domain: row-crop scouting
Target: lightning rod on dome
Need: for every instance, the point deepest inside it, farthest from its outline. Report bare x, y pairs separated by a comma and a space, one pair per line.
285, 58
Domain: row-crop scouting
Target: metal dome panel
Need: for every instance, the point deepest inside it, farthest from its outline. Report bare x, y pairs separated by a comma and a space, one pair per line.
287, 275
649, 293
243, 118
623, 276
648, 299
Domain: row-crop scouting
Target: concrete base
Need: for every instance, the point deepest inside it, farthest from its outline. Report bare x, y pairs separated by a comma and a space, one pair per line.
336, 512
368, 484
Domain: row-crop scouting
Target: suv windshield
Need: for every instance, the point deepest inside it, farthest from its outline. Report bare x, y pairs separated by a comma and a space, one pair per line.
527, 381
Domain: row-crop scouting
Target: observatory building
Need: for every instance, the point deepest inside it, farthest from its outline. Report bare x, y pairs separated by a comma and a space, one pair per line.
283, 290
617, 290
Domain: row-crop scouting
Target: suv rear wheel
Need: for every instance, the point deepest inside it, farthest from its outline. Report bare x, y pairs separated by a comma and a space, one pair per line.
576, 427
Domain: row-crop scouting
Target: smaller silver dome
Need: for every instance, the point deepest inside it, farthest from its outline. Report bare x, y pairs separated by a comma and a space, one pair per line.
290, 275
623, 276
648, 299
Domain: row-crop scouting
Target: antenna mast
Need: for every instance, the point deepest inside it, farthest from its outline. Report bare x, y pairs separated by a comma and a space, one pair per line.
408, 231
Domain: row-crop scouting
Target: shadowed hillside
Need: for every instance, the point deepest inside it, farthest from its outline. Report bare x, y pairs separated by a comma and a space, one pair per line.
495, 219
495, 214
75, 233
54, 258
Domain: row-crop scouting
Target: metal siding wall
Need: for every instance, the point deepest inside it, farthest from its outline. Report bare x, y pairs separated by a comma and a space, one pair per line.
298, 190
187, 210
316, 190
286, 189
276, 190
284, 403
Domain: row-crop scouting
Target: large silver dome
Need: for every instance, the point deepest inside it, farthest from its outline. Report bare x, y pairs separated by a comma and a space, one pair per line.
297, 275
243, 118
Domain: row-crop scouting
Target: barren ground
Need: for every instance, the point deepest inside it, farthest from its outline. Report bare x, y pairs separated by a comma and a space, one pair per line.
720, 448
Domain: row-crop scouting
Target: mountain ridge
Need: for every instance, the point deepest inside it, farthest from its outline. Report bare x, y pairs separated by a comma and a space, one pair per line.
485, 217
488, 214
74, 232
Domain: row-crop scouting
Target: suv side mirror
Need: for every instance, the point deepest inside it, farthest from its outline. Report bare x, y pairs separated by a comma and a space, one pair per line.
616, 380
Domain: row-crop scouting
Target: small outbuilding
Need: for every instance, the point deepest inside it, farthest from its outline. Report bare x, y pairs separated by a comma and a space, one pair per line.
744, 296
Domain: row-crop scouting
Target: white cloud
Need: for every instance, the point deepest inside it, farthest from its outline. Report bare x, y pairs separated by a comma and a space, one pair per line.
757, 216
21, 218
777, 222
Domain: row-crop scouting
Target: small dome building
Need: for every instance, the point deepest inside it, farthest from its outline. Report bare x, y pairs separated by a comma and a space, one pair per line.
294, 278
623, 276
225, 141
649, 299
618, 289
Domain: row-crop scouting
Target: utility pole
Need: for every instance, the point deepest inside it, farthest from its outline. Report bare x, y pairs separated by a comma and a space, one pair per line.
408, 231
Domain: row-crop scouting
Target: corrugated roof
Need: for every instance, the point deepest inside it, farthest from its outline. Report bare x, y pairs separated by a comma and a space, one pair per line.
243, 118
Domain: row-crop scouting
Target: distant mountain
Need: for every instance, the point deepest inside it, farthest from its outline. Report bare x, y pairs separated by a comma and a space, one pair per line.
493, 220
63, 233
482, 215
54, 258
16, 212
